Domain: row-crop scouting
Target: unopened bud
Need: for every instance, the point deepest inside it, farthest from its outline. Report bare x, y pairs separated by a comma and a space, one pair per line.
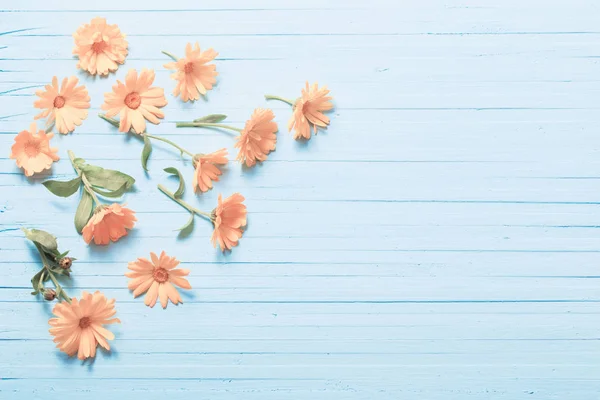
66, 262
49, 294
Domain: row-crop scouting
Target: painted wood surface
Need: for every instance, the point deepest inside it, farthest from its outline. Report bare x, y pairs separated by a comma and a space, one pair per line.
439, 241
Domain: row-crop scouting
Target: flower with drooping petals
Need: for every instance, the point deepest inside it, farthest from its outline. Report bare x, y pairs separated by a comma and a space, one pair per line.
257, 138
308, 109
135, 100
108, 223
79, 326
32, 150
193, 75
157, 278
206, 170
228, 217
65, 107
100, 47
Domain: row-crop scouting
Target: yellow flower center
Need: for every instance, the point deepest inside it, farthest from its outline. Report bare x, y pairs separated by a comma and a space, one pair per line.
85, 322
59, 102
32, 148
188, 68
98, 47
160, 275
133, 100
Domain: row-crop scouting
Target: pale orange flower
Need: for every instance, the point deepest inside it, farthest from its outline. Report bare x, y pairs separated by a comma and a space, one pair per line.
135, 100
257, 138
157, 278
308, 109
65, 107
32, 150
108, 223
79, 328
194, 77
228, 218
99, 47
206, 169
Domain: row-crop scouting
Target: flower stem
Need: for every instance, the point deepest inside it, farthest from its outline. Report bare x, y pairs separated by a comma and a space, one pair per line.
111, 121
46, 262
166, 53
206, 124
87, 185
171, 143
183, 203
271, 97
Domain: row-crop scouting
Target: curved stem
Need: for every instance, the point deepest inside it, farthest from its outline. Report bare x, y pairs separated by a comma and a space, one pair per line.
207, 124
111, 121
171, 143
87, 185
271, 97
183, 203
166, 53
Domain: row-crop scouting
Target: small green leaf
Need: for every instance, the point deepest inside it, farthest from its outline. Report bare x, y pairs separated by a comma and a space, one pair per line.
78, 162
111, 193
106, 178
63, 189
181, 188
212, 118
37, 282
44, 239
187, 228
84, 211
146, 152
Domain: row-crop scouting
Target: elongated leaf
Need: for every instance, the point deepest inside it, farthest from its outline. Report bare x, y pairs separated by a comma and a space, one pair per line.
63, 189
146, 152
111, 193
181, 189
189, 225
84, 211
44, 239
212, 118
37, 282
106, 178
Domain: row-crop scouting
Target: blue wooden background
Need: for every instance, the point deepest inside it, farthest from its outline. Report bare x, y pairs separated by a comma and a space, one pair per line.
439, 241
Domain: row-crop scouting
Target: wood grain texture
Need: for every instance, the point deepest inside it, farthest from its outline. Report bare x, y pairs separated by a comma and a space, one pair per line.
439, 241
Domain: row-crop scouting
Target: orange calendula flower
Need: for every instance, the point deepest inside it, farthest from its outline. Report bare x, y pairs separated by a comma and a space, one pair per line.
79, 326
135, 100
65, 107
108, 223
192, 73
100, 47
309, 109
228, 218
157, 278
206, 169
32, 150
258, 138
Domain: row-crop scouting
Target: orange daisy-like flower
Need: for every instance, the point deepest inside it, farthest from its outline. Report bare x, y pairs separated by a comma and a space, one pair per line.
100, 47
157, 278
206, 169
309, 109
32, 151
228, 218
65, 107
135, 100
257, 138
79, 328
108, 223
194, 77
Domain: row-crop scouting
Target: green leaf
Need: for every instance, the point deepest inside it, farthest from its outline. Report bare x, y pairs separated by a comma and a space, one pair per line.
189, 225
146, 152
37, 282
111, 193
106, 178
84, 211
181, 188
78, 162
63, 189
44, 239
212, 118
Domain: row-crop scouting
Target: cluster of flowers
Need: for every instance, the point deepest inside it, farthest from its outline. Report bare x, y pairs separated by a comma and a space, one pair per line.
100, 49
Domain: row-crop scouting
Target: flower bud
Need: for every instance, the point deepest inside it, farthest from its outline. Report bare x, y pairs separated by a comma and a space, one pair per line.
66, 262
49, 294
